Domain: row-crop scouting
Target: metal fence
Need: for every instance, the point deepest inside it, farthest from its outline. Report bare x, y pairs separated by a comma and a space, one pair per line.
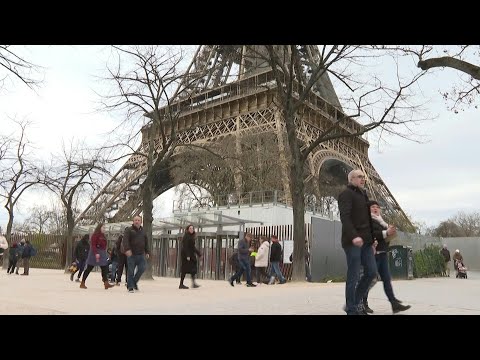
49, 250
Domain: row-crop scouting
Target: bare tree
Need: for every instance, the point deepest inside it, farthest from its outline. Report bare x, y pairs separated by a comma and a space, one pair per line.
469, 223
38, 219
145, 92
380, 106
459, 58
19, 172
192, 196
57, 223
15, 67
69, 176
448, 228
463, 58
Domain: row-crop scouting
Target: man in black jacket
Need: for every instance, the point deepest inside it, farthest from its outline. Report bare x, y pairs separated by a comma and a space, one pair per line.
357, 241
446, 256
135, 245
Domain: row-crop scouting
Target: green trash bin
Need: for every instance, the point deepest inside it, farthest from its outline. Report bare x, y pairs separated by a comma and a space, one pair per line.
401, 262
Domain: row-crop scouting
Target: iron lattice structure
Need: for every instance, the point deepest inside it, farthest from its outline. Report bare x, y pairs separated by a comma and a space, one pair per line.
229, 90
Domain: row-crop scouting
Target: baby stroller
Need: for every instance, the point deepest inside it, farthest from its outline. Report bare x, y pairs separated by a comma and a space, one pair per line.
461, 270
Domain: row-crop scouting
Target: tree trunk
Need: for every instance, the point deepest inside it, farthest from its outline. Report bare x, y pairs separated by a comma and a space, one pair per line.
69, 239
297, 188
147, 208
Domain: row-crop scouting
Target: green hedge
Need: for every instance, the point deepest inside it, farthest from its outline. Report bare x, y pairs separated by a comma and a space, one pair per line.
428, 262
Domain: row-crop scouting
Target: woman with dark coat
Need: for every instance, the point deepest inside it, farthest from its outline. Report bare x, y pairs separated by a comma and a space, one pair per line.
189, 257
97, 256
81, 254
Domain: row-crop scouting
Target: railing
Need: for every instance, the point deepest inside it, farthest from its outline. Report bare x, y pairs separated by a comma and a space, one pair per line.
252, 198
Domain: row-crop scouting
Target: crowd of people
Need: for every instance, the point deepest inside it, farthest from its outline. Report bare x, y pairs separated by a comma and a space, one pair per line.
365, 241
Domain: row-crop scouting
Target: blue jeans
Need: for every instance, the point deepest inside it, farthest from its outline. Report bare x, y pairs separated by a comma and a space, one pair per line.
384, 272
135, 261
356, 289
276, 270
114, 271
244, 265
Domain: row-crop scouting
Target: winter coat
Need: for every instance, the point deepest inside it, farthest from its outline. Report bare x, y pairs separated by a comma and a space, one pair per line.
261, 260
189, 266
355, 216
136, 240
81, 250
276, 252
379, 234
446, 254
98, 246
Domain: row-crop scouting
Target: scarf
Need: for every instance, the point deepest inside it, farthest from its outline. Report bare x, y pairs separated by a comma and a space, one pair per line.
378, 218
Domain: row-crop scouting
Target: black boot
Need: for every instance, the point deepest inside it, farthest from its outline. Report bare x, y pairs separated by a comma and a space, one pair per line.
367, 308
397, 307
182, 278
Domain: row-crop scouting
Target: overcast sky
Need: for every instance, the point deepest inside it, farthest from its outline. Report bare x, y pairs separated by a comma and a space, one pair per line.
431, 181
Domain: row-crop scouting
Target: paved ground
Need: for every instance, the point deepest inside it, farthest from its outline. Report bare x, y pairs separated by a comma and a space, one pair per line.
51, 292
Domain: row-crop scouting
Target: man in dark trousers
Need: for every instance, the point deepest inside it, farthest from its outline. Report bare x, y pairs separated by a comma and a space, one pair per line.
135, 245
244, 250
275, 258
357, 241
446, 256
122, 261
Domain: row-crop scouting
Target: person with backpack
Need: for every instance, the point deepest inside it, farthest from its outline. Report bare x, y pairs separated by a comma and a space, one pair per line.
28, 252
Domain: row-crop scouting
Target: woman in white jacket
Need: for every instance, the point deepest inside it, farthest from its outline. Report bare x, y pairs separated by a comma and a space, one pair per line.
3, 244
261, 260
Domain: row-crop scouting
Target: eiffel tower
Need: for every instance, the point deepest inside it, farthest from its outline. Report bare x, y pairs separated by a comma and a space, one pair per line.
231, 90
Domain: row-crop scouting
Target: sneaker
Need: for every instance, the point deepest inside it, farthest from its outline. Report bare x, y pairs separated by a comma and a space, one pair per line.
71, 276
195, 286
251, 285
183, 287
136, 288
231, 282
131, 291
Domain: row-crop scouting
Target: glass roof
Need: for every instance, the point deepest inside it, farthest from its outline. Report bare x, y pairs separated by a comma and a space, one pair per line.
207, 220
